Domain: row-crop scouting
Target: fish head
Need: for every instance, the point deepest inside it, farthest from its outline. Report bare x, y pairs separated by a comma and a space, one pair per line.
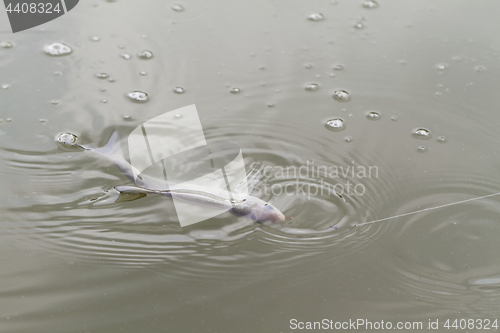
259, 210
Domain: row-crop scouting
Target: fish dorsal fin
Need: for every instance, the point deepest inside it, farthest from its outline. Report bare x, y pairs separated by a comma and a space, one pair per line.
252, 179
130, 197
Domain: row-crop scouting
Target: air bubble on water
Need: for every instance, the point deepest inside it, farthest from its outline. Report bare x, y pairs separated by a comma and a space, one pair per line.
9, 120
102, 89
341, 95
125, 56
101, 75
54, 102
138, 96
422, 149
402, 62
143, 73
311, 87
270, 105
57, 73
479, 68
146, 54
336, 124
6, 45
177, 7
235, 90
338, 67
66, 137
315, 17
5, 86
394, 118
121, 46
370, 4
348, 139
104, 100
359, 25
111, 80
373, 115
422, 133
95, 38
178, 90
442, 139
456, 58
442, 66
308, 66
178, 115
438, 94
57, 49
126, 117
42, 120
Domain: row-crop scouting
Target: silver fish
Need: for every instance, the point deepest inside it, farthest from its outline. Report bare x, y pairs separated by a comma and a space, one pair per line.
252, 207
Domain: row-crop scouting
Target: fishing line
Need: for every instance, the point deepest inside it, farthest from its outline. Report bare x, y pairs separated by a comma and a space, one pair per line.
426, 209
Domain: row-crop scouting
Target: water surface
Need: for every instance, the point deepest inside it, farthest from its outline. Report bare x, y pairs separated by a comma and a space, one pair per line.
263, 75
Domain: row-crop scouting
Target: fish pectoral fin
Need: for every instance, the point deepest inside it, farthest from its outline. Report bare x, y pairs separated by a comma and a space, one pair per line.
130, 196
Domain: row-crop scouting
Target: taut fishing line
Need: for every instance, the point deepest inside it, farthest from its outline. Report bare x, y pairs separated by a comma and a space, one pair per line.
426, 209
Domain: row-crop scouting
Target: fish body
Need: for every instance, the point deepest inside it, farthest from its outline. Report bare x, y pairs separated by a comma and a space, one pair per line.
256, 209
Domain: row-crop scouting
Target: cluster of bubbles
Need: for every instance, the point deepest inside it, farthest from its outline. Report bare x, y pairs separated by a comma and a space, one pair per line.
8, 120
337, 124
145, 54
359, 25
423, 133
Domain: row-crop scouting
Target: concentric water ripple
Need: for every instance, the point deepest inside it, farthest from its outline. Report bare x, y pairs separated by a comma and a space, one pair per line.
67, 213
449, 253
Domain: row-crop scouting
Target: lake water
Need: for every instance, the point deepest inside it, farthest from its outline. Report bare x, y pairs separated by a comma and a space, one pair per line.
381, 108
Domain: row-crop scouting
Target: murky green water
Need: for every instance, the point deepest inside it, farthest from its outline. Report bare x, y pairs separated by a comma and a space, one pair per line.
421, 114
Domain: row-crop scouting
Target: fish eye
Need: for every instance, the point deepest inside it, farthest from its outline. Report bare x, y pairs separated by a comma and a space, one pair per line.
266, 204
